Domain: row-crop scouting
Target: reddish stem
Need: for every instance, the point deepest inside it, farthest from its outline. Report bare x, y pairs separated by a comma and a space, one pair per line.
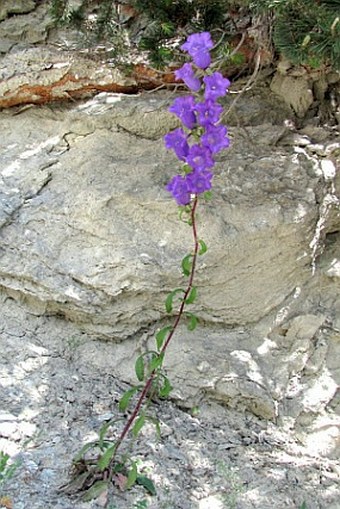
149, 381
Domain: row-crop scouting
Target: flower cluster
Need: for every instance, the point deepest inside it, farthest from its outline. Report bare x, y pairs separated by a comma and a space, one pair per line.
201, 118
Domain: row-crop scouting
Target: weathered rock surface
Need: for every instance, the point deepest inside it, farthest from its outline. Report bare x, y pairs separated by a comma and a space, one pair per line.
42, 64
39, 76
57, 387
301, 89
89, 233
23, 23
94, 234
15, 7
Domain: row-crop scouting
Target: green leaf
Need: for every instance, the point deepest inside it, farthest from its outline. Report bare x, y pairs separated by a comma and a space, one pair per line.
132, 476
102, 433
168, 303
203, 247
166, 388
140, 368
185, 210
84, 449
187, 169
207, 195
193, 321
140, 421
95, 491
105, 458
192, 296
147, 484
187, 264
170, 298
156, 362
125, 399
161, 335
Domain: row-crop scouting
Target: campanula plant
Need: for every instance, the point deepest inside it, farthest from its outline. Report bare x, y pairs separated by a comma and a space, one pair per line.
195, 144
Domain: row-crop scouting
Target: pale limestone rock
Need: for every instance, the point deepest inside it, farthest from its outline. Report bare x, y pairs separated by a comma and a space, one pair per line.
295, 91
100, 242
89, 232
32, 26
15, 7
42, 75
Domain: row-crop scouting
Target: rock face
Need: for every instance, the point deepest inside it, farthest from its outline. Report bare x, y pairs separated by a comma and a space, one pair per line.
39, 76
304, 90
41, 64
95, 235
88, 232
15, 7
23, 23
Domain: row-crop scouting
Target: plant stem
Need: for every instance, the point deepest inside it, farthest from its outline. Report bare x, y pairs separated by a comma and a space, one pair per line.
191, 277
149, 381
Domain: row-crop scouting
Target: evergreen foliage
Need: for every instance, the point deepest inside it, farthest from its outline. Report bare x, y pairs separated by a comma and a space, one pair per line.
305, 31
167, 18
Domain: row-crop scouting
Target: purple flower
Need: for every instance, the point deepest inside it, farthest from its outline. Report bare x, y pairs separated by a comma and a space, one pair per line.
198, 46
215, 138
187, 74
208, 112
178, 187
199, 158
215, 86
202, 60
199, 181
184, 108
177, 140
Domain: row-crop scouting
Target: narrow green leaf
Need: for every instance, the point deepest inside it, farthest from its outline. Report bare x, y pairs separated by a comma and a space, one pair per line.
105, 458
193, 321
125, 399
203, 247
170, 298
156, 362
186, 265
84, 449
168, 302
192, 296
161, 335
132, 476
102, 433
140, 368
140, 421
147, 484
95, 491
166, 388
